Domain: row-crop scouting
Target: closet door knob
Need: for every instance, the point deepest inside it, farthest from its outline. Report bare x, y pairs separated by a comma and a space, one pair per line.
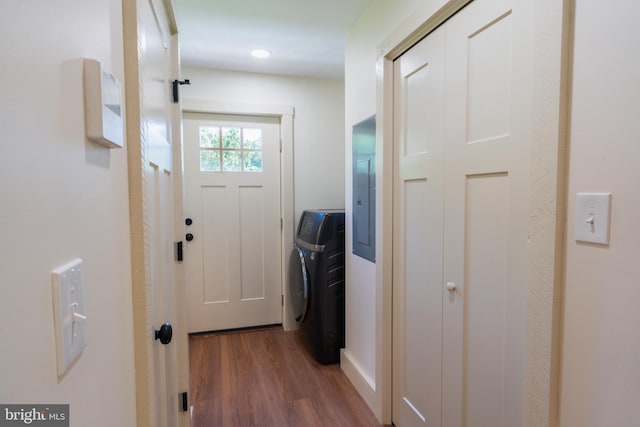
451, 286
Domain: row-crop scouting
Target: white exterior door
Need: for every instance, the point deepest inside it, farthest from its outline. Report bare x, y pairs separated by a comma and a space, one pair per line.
151, 58
461, 222
232, 196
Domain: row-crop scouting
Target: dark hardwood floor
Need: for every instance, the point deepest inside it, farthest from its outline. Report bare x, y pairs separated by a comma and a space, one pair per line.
266, 378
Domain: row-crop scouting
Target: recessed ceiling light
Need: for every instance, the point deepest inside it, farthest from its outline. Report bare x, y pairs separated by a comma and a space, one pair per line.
260, 53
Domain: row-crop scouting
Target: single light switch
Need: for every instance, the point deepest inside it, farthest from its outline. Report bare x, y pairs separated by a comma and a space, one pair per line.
592, 217
69, 315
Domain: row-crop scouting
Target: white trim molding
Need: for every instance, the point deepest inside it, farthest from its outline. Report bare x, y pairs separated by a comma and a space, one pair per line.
361, 381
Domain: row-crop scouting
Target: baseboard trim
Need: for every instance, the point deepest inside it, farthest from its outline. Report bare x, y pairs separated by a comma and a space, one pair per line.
363, 384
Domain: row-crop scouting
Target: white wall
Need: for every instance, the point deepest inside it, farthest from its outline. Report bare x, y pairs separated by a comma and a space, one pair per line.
62, 197
601, 361
318, 125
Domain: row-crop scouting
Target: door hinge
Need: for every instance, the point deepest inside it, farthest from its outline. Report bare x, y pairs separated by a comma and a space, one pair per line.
282, 299
281, 223
281, 145
184, 402
174, 88
179, 254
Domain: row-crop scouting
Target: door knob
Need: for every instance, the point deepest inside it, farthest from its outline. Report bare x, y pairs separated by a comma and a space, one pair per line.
165, 333
451, 286
189, 237
188, 221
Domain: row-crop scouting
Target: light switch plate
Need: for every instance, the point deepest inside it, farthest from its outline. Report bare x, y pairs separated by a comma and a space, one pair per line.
69, 313
593, 211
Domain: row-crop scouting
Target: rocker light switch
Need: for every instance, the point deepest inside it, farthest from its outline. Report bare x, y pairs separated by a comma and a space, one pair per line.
69, 314
592, 217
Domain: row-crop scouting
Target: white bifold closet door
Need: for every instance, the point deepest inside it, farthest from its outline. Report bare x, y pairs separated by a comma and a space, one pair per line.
460, 221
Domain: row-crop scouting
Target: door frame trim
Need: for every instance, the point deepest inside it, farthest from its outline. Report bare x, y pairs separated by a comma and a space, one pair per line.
286, 115
550, 102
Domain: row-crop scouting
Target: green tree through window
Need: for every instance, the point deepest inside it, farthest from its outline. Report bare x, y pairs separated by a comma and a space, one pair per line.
230, 149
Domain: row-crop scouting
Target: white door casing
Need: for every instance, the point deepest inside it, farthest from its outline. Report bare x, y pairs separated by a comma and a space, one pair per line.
234, 262
461, 225
150, 58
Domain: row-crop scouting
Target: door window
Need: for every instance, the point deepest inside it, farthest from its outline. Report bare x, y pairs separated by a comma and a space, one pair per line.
230, 149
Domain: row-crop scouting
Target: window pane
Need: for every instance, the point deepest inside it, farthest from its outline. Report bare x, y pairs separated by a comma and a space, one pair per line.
252, 139
231, 161
230, 137
209, 160
253, 161
209, 137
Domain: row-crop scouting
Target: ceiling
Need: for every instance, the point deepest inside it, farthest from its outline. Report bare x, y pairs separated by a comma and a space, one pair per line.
305, 37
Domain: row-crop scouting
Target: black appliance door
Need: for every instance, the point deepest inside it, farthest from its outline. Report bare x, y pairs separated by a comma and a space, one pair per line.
298, 284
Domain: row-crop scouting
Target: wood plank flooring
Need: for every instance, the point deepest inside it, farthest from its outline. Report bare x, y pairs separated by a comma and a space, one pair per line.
266, 378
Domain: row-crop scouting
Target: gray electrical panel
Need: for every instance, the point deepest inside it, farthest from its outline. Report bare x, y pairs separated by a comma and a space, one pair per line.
364, 189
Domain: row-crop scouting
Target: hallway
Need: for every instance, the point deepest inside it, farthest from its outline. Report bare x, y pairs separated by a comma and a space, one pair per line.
265, 378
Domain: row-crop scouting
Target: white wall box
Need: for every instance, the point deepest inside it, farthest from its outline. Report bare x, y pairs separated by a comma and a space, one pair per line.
103, 105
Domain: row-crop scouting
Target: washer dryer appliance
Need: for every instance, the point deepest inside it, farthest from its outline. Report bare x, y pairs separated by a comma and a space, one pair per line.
316, 279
